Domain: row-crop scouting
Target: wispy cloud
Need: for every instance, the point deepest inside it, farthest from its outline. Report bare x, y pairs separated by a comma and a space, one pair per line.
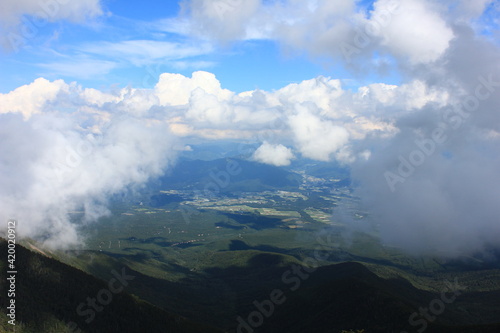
192, 64
144, 52
80, 68
21, 21
91, 60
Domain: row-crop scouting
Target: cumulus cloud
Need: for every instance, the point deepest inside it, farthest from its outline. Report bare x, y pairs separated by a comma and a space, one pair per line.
176, 89
277, 155
40, 92
313, 109
321, 91
416, 31
316, 138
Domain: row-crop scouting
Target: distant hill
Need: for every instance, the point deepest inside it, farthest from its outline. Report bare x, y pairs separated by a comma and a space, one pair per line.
49, 292
332, 169
211, 151
228, 175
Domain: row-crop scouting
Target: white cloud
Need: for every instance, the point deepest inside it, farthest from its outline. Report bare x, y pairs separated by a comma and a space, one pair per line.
413, 31
97, 97
176, 89
316, 138
317, 28
277, 155
31, 98
224, 19
468, 9
61, 167
416, 32
321, 91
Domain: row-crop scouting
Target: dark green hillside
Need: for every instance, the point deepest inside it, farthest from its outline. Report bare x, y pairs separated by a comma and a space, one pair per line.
228, 175
331, 299
48, 293
348, 295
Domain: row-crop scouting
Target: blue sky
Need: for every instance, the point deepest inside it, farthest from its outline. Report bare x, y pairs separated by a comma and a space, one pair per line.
77, 52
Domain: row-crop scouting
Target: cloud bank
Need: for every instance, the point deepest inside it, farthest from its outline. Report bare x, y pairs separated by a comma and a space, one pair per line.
67, 154
414, 31
425, 152
77, 146
66, 148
